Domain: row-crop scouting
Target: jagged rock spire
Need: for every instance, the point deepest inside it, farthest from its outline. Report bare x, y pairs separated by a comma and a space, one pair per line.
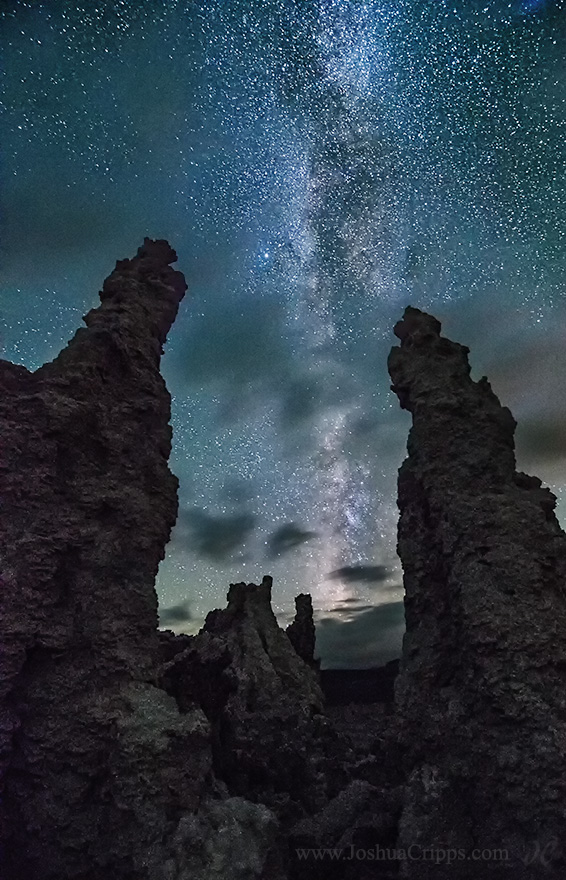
88, 503
481, 693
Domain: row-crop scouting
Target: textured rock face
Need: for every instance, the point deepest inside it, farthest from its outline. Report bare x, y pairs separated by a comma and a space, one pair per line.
97, 765
302, 632
481, 694
126, 753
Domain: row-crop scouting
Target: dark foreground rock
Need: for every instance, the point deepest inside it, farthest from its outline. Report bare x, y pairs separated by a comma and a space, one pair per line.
481, 693
342, 686
140, 755
274, 743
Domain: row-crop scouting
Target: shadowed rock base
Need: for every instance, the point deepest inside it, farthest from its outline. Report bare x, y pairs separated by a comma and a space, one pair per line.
481, 693
264, 703
272, 741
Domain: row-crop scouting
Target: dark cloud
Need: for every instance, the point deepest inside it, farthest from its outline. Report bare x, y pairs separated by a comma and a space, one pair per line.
371, 638
300, 401
364, 426
244, 350
393, 588
366, 574
286, 538
305, 395
180, 613
214, 537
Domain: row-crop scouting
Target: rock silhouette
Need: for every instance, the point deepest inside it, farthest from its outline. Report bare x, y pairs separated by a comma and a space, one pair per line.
480, 696
301, 631
126, 752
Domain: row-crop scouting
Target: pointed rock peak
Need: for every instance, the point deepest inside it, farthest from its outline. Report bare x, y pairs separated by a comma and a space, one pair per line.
156, 252
262, 651
153, 259
303, 604
416, 325
141, 295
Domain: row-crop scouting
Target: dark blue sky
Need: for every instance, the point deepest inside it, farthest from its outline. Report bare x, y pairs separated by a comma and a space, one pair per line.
318, 165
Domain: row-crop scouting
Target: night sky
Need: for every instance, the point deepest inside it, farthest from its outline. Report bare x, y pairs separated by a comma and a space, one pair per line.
318, 165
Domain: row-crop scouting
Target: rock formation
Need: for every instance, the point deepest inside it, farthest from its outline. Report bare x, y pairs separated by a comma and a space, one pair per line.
481, 693
264, 703
98, 767
302, 632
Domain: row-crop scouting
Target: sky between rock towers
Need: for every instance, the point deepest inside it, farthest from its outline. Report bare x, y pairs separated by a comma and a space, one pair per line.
317, 165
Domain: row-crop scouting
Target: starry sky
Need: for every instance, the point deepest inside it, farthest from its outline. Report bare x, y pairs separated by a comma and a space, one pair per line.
318, 165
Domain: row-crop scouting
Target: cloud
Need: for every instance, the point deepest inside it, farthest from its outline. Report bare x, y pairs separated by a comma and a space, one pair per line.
245, 351
365, 574
371, 637
180, 613
301, 400
339, 609
214, 537
363, 426
236, 343
286, 538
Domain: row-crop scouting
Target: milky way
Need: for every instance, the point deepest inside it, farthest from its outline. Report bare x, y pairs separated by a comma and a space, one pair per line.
318, 165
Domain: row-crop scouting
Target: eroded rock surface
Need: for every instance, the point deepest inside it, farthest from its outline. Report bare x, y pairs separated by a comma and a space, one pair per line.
267, 664
125, 752
481, 693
